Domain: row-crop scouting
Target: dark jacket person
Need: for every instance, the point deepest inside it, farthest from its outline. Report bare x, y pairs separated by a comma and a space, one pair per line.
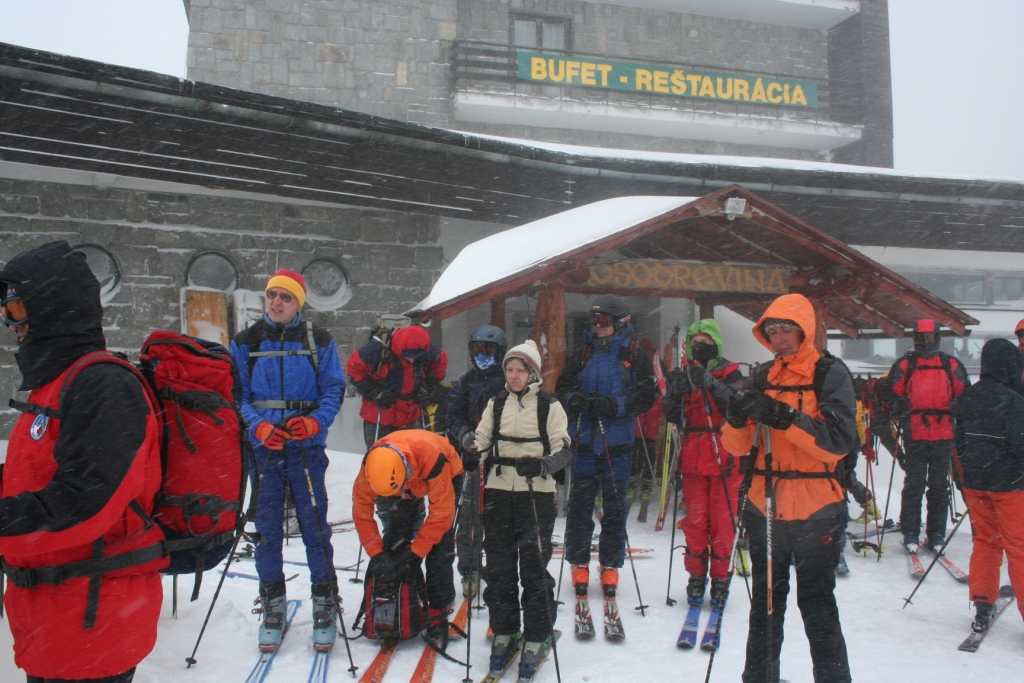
71, 480
990, 444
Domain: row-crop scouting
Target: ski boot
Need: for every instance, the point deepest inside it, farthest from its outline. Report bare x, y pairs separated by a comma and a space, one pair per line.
936, 542
533, 655
719, 592
504, 648
436, 633
609, 581
695, 589
631, 490
581, 578
869, 514
911, 542
271, 604
325, 614
982, 616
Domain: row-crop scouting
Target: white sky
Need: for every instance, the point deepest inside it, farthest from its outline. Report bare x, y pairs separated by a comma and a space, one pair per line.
956, 65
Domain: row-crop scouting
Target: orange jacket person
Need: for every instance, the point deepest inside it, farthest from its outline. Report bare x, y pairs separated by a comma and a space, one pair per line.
812, 429
407, 466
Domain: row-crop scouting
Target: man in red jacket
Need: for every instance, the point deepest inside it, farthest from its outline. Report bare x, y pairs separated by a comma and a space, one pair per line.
83, 460
924, 382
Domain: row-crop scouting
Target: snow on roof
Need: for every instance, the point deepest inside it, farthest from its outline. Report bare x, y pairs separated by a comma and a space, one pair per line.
722, 160
500, 256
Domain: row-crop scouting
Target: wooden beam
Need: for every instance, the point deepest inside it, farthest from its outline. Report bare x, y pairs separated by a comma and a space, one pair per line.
498, 312
549, 333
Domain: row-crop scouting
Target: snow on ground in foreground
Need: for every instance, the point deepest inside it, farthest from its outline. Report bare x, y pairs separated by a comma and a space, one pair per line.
886, 643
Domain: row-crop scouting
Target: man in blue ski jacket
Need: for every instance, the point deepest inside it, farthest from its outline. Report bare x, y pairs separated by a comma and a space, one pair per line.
606, 385
292, 388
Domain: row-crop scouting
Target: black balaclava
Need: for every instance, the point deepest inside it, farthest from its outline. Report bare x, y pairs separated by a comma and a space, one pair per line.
703, 353
62, 299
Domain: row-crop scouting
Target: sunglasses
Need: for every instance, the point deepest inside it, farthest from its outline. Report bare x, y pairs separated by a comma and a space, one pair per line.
485, 348
603, 320
285, 297
13, 311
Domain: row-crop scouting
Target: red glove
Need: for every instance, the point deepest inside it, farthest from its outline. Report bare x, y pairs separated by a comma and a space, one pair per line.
272, 437
303, 428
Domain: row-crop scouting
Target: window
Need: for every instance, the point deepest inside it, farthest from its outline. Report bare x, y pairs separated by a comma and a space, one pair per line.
104, 266
212, 269
1007, 289
955, 288
327, 285
543, 32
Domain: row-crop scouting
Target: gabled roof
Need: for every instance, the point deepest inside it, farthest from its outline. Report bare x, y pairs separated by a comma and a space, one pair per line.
856, 293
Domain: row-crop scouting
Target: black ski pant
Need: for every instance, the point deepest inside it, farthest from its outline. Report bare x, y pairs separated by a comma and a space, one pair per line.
469, 532
926, 463
513, 558
579, 522
811, 547
126, 677
400, 531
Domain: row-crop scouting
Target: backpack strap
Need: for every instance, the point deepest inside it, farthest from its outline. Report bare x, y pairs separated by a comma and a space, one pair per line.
544, 400
311, 347
438, 467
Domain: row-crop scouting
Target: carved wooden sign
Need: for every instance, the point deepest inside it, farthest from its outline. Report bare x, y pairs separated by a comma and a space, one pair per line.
688, 276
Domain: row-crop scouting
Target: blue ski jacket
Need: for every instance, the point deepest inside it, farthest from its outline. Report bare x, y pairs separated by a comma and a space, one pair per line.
317, 393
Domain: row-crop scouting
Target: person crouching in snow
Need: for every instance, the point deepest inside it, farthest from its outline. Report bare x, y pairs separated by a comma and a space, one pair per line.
408, 466
524, 436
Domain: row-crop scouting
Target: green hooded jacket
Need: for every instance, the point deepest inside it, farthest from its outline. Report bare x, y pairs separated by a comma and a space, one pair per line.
709, 327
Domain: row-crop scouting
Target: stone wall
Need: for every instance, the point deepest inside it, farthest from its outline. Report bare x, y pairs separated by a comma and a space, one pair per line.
391, 259
392, 57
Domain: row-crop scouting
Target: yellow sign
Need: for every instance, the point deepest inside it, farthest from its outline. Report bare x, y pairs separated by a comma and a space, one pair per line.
689, 276
679, 82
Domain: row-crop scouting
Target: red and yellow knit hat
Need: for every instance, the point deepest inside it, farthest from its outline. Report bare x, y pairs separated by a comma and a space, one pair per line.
290, 281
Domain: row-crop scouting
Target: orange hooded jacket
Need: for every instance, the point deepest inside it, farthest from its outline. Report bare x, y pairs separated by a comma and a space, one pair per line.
820, 436
422, 449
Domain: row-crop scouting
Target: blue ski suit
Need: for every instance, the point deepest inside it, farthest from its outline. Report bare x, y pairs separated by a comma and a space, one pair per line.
274, 388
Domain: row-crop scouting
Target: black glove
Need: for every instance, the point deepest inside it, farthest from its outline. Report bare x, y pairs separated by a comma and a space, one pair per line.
900, 407
468, 441
735, 415
767, 410
530, 468
428, 393
602, 406
700, 377
576, 403
679, 384
392, 565
470, 460
381, 395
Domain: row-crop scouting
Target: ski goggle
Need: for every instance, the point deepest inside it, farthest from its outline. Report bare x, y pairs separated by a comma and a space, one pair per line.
602, 320
926, 337
285, 297
485, 348
13, 311
1020, 334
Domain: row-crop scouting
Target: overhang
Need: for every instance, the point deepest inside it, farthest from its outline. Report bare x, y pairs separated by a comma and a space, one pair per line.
854, 293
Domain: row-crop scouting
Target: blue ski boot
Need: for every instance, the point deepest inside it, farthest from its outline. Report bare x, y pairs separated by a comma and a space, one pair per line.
325, 615
271, 605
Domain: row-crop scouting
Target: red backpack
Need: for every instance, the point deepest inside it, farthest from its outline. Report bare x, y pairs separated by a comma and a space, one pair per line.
395, 609
195, 386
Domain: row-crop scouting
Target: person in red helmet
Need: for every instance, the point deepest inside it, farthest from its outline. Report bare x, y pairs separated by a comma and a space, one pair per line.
924, 382
1019, 333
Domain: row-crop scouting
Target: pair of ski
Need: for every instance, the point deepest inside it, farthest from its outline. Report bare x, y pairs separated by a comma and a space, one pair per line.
424, 671
584, 627
917, 569
712, 632
973, 641
266, 659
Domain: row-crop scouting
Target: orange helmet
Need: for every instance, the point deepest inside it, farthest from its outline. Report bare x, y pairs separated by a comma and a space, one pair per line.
387, 470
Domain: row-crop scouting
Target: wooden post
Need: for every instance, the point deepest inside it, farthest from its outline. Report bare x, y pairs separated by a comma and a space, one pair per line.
706, 309
498, 312
549, 333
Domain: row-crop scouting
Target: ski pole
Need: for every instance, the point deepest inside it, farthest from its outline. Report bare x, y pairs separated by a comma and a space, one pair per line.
647, 453
547, 591
888, 495
939, 553
622, 511
474, 574
769, 505
669, 600
327, 560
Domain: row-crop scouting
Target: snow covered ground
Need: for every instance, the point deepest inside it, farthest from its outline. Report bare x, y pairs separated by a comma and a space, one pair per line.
886, 643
